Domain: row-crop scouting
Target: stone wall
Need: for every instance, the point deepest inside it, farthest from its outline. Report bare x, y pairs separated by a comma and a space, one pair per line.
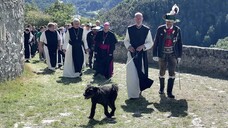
11, 38
207, 60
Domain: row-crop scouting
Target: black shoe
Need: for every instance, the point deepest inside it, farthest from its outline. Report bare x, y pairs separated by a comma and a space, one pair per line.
27, 61
80, 74
59, 66
171, 96
161, 93
133, 98
95, 74
90, 66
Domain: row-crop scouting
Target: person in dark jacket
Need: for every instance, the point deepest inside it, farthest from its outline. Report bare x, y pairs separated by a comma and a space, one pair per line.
167, 50
91, 44
28, 36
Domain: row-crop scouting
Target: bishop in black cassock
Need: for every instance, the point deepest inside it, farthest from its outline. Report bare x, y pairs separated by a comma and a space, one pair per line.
104, 48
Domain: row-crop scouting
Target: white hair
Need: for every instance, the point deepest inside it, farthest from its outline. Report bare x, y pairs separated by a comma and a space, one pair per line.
138, 14
76, 20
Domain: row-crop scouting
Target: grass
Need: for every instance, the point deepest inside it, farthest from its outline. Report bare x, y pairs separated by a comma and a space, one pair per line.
41, 98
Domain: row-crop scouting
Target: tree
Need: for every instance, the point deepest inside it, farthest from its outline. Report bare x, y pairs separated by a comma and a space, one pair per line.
37, 18
222, 43
207, 19
61, 13
207, 41
34, 16
30, 7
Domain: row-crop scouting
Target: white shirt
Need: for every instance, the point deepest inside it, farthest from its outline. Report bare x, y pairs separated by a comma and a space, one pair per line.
31, 37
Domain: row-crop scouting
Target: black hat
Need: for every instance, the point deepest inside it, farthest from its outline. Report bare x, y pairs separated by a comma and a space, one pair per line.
171, 16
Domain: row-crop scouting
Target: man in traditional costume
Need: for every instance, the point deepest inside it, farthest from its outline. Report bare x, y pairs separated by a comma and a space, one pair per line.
28, 36
91, 44
104, 48
167, 50
51, 40
75, 46
138, 40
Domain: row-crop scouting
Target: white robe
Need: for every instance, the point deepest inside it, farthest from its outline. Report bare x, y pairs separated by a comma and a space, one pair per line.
44, 40
68, 70
133, 88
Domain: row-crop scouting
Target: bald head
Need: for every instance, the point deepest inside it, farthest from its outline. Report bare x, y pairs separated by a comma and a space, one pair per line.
138, 18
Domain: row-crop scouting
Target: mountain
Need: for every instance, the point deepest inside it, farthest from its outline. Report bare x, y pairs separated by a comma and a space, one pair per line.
87, 8
203, 22
41, 4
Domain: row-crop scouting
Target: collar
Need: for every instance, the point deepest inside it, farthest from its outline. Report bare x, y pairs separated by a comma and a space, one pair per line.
105, 32
138, 27
169, 28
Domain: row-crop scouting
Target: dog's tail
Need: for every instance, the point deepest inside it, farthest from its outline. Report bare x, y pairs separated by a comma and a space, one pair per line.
115, 87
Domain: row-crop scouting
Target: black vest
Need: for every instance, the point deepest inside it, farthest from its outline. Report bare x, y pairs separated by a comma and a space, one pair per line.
52, 38
137, 36
75, 36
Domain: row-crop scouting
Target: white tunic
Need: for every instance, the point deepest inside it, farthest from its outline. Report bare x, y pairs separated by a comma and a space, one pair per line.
44, 40
133, 88
69, 64
31, 37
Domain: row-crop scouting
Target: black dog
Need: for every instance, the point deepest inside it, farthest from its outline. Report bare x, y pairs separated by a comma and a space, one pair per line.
104, 95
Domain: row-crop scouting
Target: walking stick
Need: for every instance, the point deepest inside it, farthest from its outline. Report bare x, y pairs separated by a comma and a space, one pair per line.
178, 68
136, 55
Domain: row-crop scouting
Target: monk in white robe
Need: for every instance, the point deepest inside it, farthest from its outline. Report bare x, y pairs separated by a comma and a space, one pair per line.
75, 46
138, 40
51, 40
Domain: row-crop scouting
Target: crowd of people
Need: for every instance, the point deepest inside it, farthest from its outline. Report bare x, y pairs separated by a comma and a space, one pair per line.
73, 43
77, 45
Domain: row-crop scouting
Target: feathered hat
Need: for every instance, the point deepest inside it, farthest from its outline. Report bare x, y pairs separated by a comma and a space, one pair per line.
171, 16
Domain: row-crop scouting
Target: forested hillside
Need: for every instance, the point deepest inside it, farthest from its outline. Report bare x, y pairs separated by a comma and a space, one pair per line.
203, 22
88, 8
